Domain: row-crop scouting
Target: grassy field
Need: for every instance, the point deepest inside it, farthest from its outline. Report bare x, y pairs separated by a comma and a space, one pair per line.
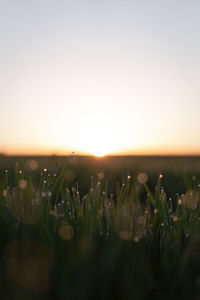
99, 228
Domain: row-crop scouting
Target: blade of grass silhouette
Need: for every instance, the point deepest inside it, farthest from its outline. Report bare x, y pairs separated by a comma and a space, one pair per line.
150, 194
58, 185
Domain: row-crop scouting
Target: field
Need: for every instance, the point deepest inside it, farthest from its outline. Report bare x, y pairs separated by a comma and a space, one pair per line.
99, 228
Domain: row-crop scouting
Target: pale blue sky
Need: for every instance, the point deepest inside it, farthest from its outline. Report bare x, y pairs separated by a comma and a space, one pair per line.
100, 76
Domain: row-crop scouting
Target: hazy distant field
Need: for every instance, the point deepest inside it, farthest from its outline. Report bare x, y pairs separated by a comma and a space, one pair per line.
176, 164
177, 170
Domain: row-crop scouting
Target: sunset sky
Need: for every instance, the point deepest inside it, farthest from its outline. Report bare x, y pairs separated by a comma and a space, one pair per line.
100, 77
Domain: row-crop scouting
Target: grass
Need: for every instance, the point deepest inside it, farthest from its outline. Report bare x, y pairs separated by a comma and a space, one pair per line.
129, 240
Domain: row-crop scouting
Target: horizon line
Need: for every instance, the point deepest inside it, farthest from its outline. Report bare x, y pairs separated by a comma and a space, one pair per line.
103, 156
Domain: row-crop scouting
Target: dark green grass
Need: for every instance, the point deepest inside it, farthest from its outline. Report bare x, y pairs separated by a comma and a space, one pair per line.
119, 239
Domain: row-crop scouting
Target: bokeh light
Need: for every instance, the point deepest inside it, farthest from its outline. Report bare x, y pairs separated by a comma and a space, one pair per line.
142, 178
70, 175
29, 263
23, 184
129, 220
66, 232
33, 165
190, 199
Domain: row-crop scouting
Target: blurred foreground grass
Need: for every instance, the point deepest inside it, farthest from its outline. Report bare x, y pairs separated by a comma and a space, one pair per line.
128, 232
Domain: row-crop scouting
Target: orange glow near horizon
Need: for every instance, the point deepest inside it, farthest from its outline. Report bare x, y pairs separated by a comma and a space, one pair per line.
101, 152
